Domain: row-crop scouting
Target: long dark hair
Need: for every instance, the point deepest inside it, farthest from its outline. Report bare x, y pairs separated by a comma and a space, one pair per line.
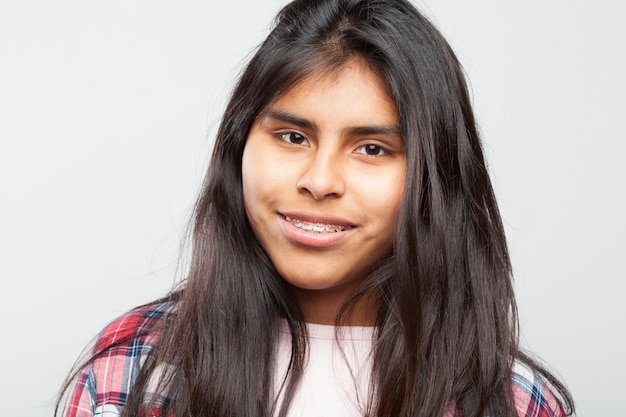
447, 320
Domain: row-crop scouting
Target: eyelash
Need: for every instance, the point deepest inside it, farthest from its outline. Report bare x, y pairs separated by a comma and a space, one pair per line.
380, 151
300, 139
283, 136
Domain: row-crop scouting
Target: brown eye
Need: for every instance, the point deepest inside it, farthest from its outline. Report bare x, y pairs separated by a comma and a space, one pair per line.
293, 137
372, 150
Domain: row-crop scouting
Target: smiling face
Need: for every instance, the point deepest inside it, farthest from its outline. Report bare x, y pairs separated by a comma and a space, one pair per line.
323, 177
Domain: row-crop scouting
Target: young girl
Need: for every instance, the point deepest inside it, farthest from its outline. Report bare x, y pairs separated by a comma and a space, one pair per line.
348, 254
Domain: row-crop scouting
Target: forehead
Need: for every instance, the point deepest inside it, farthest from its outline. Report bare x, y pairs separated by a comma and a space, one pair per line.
350, 91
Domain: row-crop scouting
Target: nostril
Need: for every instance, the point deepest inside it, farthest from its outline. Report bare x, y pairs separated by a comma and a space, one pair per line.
322, 180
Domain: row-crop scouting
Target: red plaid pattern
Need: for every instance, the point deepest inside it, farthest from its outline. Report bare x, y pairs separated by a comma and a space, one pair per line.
102, 387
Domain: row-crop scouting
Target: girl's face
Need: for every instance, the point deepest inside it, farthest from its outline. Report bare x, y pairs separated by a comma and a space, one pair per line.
323, 177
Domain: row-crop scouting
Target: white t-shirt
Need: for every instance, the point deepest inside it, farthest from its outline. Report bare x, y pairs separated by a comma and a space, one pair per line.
336, 374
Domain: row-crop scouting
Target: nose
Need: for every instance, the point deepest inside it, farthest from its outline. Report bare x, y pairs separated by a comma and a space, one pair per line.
322, 178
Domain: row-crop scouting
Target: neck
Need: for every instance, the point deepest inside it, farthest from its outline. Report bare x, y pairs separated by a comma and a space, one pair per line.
323, 307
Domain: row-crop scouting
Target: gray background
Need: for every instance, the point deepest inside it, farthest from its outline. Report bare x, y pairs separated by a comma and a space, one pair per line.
106, 113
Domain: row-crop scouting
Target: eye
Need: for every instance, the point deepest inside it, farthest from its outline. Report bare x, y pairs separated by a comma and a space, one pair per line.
293, 138
372, 150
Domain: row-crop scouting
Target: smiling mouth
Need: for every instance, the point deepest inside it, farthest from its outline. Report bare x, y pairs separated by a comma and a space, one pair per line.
317, 227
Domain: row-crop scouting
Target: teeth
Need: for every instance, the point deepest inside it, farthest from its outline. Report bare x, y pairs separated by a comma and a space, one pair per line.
315, 227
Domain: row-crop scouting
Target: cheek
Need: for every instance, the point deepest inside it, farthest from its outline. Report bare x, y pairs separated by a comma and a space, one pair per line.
384, 194
266, 178
249, 178
386, 206
254, 178
261, 181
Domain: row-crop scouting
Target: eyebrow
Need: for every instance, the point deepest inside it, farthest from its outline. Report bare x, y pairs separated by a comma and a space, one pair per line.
307, 124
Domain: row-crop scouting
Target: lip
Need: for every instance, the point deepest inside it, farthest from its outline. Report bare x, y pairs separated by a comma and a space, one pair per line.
312, 238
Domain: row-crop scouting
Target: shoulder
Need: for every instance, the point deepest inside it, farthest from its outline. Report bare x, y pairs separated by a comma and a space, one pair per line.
122, 346
532, 395
136, 328
115, 359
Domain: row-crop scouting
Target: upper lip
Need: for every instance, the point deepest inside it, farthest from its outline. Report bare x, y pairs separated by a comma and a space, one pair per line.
320, 218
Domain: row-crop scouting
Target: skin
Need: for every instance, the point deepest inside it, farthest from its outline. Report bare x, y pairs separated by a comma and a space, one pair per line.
327, 155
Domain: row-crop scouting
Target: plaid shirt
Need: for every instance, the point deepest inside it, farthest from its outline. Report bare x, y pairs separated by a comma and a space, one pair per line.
102, 387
